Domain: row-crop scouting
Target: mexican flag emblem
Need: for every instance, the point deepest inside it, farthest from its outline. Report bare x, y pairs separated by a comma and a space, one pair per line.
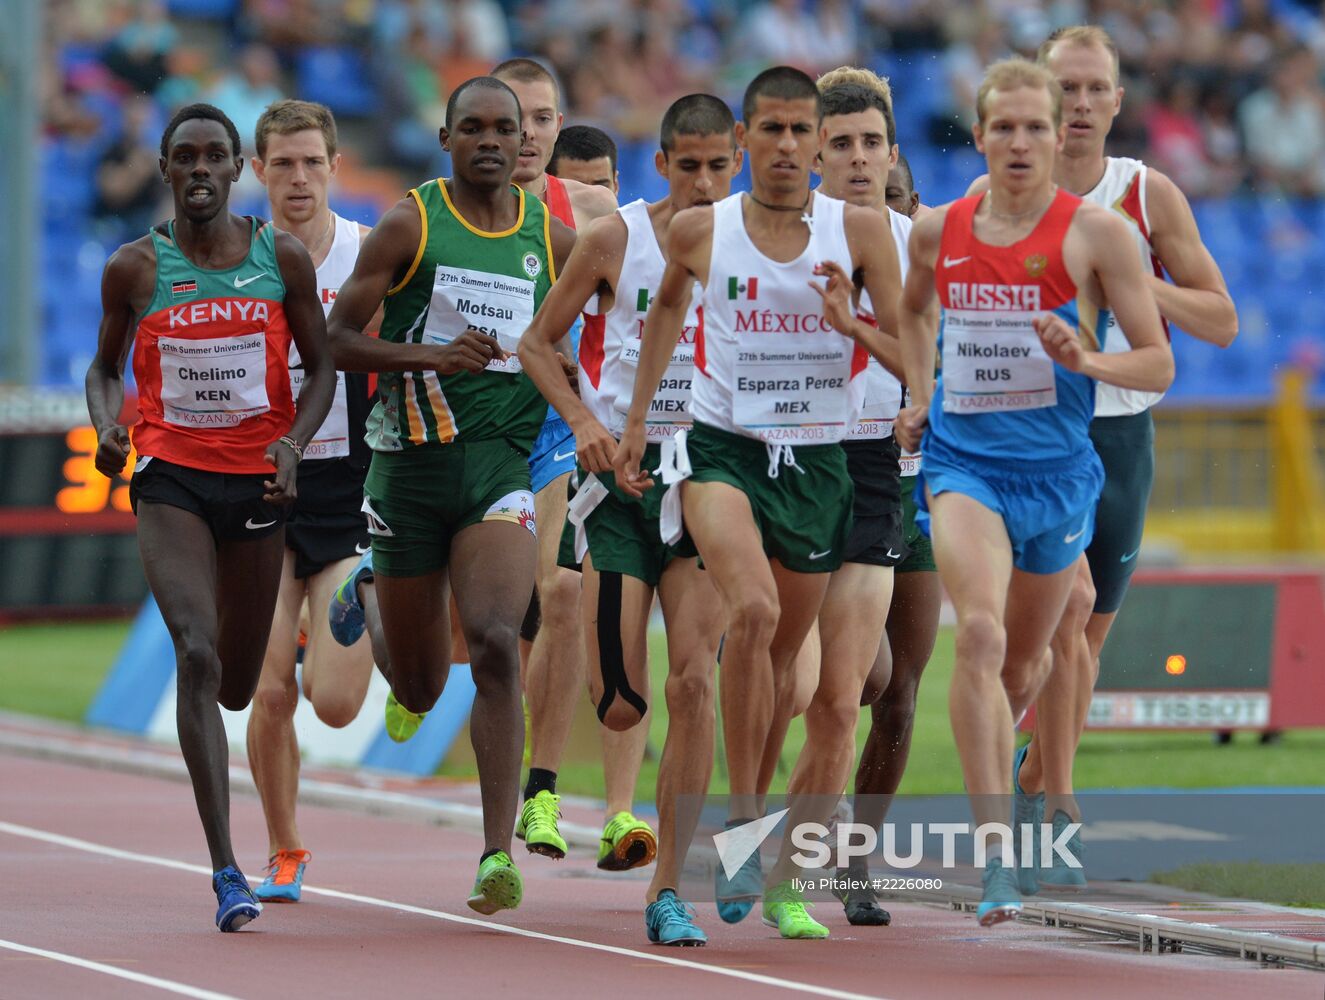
642, 300
742, 288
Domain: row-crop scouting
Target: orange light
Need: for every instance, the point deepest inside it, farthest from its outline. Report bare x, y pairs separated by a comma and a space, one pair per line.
1175, 665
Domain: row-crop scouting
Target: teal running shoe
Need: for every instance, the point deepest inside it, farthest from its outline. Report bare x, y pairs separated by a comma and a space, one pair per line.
1060, 875
235, 903
669, 921
285, 877
497, 886
345, 612
1001, 901
1027, 810
737, 896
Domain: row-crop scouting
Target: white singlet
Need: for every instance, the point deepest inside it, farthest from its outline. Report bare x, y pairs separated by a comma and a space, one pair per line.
1122, 189
883, 392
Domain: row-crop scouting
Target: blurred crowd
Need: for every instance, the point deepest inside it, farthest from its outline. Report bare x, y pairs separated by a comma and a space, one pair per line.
1223, 95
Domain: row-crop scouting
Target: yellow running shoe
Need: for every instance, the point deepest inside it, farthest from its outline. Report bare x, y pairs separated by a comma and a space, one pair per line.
497, 886
626, 843
785, 909
537, 826
401, 723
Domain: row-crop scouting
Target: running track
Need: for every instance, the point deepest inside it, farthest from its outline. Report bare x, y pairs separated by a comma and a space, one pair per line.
109, 869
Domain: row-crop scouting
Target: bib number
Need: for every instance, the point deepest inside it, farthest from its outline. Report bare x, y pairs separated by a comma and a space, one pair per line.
883, 400
792, 388
994, 362
332, 439
217, 382
670, 408
495, 304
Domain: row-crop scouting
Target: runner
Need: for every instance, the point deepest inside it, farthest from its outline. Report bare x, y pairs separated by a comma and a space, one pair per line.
1026, 277
211, 302
768, 500
554, 676
1084, 60
585, 154
913, 623
325, 533
620, 261
462, 264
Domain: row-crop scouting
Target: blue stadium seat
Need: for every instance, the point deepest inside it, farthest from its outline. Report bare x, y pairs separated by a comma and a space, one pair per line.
337, 76
212, 9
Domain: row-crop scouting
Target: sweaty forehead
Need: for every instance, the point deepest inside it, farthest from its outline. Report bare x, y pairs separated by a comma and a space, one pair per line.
1019, 103
783, 109
304, 143
200, 132
487, 104
535, 95
867, 122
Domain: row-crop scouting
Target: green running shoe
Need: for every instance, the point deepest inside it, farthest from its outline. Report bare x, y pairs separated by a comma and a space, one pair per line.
785, 909
401, 723
537, 826
626, 843
497, 886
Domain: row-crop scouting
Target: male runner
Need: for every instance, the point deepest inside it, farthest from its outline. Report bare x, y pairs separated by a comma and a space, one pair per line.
554, 675
777, 387
325, 533
619, 259
1025, 276
1160, 224
462, 264
585, 154
913, 622
211, 301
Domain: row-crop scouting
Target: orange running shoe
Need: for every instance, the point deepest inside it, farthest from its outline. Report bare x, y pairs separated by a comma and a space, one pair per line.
285, 877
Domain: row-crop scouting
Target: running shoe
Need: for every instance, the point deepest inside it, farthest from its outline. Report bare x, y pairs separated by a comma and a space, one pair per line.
1059, 875
235, 903
1027, 810
855, 891
669, 921
736, 897
626, 843
401, 723
497, 886
1001, 901
786, 909
285, 877
537, 826
345, 612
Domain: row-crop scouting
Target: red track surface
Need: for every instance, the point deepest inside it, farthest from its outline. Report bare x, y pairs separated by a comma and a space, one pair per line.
410, 934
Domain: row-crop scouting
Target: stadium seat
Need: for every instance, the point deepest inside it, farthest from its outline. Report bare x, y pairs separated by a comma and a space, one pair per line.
217, 10
337, 76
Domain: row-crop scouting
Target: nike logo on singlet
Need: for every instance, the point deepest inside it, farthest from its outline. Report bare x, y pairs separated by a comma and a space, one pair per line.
954, 261
248, 281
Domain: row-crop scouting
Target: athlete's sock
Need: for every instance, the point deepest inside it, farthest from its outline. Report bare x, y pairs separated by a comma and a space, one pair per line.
488, 854
540, 780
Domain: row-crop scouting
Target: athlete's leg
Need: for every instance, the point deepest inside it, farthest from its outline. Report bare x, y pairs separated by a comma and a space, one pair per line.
695, 622
416, 630
492, 596
273, 750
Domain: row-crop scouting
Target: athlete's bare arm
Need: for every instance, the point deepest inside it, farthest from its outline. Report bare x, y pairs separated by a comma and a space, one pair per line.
917, 323
874, 257
978, 186
126, 291
593, 269
1197, 300
589, 202
385, 258
308, 327
689, 249
1100, 241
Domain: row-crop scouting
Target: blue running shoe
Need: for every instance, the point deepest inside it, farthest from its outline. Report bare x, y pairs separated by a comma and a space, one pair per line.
668, 921
1001, 901
1060, 875
1027, 810
285, 877
736, 897
236, 904
345, 612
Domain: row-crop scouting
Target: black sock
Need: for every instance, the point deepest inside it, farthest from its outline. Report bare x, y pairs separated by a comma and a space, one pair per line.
487, 854
540, 780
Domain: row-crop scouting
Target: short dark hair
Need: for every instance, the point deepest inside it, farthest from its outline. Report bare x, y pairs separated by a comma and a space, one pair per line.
784, 83
207, 112
902, 170
485, 82
853, 98
583, 143
695, 114
527, 71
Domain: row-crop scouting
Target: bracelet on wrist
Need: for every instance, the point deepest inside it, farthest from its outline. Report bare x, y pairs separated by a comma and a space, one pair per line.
290, 443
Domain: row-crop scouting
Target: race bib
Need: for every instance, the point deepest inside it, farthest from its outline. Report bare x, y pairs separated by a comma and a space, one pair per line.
332, 439
792, 388
994, 362
670, 408
218, 382
495, 304
909, 464
883, 400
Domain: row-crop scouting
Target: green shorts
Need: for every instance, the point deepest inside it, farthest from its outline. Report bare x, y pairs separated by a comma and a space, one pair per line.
919, 550
622, 531
418, 499
804, 515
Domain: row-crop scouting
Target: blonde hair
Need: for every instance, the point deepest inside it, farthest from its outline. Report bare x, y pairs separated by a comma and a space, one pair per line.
1011, 74
1087, 35
290, 116
859, 76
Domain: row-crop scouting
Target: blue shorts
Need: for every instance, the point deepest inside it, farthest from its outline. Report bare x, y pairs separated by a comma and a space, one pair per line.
554, 451
1048, 508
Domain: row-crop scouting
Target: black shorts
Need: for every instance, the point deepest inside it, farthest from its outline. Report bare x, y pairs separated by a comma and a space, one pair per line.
878, 536
327, 523
231, 504
1126, 446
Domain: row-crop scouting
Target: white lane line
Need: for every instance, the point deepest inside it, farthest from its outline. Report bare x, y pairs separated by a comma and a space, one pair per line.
752, 977
169, 985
